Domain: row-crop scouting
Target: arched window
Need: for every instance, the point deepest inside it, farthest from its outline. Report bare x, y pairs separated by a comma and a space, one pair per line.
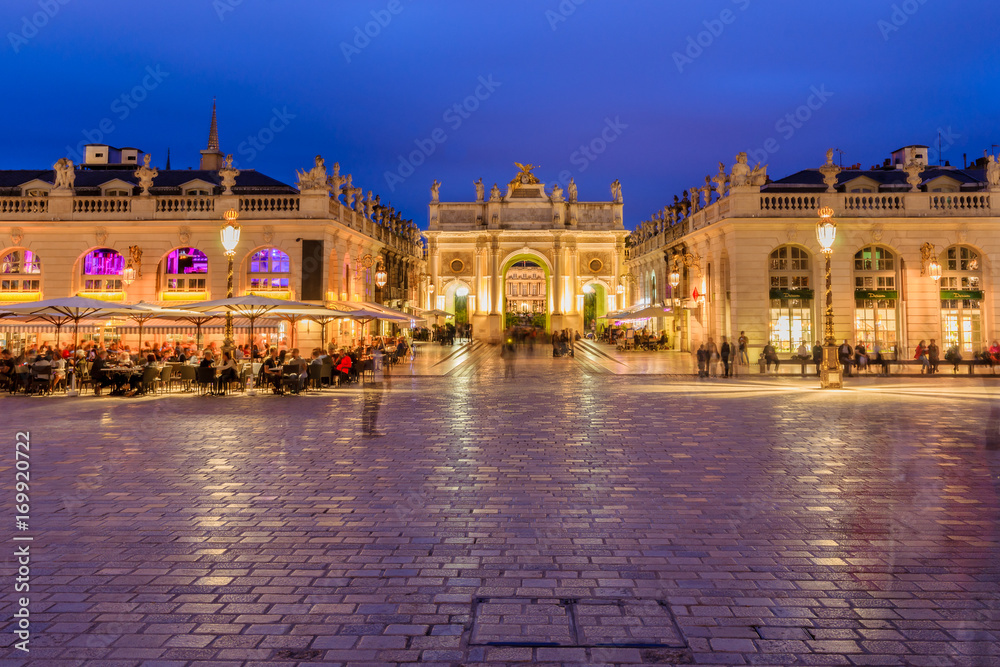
269, 270
102, 271
20, 271
961, 298
791, 297
185, 270
876, 296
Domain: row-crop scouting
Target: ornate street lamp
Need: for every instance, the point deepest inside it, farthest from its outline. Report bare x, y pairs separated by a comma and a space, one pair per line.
230, 233
128, 274
934, 269
826, 233
381, 278
675, 280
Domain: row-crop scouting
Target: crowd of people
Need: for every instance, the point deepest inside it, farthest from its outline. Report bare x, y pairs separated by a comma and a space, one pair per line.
48, 367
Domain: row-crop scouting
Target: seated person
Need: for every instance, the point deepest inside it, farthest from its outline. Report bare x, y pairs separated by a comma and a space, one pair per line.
228, 372
97, 374
342, 368
803, 353
770, 357
271, 370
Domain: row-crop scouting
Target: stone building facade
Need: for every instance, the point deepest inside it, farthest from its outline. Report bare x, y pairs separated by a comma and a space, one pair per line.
746, 253
578, 245
72, 230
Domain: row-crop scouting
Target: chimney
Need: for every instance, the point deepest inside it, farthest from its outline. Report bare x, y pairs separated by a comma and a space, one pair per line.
211, 157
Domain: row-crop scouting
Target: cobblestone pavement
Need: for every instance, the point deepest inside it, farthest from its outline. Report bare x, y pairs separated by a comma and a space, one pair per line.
561, 516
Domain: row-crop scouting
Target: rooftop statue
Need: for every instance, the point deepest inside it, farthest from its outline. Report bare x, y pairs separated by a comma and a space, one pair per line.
145, 174
993, 172
315, 178
571, 190
616, 191
525, 177
480, 190
65, 174
435, 191
228, 175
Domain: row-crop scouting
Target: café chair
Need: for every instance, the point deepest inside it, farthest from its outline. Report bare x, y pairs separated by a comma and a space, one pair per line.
205, 377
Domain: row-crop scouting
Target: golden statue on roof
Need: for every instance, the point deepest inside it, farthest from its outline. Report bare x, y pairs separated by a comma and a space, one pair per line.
525, 177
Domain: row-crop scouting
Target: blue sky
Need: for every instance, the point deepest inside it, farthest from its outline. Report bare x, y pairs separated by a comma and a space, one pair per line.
652, 93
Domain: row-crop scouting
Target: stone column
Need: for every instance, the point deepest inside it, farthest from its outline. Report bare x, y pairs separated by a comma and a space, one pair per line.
435, 256
573, 287
477, 285
557, 290
495, 295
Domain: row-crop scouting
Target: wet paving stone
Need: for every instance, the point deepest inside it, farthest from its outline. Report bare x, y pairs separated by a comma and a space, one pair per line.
778, 524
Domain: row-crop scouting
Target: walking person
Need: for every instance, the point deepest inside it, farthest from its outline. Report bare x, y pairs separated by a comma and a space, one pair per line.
846, 356
713, 358
921, 355
933, 356
817, 356
725, 351
702, 356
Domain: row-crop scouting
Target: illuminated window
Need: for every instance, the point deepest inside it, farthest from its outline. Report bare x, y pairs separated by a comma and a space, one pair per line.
961, 300
102, 271
15, 266
185, 270
791, 298
876, 317
269, 270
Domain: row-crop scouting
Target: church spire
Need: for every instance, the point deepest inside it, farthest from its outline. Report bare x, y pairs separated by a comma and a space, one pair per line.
211, 157
168, 159
213, 131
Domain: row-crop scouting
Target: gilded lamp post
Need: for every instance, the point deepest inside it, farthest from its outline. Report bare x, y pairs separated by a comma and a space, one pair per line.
675, 281
230, 233
830, 374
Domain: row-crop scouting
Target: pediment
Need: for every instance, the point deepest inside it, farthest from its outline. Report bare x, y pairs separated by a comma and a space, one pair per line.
117, 184
861, 183
36, 184
197, 184
944, 183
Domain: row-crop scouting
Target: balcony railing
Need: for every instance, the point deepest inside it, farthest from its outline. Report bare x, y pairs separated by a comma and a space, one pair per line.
21, 205
102, 204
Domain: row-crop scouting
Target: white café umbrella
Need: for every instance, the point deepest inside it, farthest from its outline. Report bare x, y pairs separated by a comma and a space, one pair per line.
250, 306
153, 312
648, 312
59, 312
319, 314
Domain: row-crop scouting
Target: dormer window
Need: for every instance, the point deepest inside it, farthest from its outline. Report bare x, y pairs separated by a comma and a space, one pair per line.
197, 193
862, 190
116, 193
36, 192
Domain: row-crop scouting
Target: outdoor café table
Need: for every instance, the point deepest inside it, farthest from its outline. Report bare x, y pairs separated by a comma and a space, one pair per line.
120, 376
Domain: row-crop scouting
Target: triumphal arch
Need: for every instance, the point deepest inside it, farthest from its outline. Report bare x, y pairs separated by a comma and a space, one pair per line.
483, 254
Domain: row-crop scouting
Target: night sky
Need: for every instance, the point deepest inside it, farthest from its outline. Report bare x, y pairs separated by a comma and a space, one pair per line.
656, 92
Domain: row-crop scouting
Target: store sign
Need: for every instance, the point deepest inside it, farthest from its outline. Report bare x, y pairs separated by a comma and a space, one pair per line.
961, 294
779, 293
876, 294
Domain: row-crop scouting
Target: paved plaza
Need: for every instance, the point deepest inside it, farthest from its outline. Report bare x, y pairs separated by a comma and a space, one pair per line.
555, 512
